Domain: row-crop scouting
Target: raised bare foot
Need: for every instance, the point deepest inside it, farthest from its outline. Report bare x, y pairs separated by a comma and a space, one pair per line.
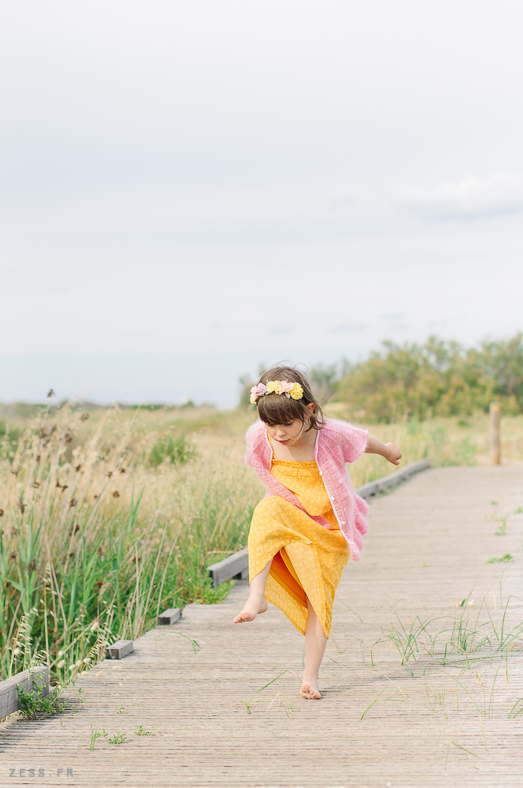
250, 610
309, 690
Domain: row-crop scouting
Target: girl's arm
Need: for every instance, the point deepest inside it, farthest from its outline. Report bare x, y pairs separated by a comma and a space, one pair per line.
388, 450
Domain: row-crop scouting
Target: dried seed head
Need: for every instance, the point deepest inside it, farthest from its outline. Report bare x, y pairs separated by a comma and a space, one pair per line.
73, 502
109, 474
116, 494
13, 557
36, 484
21, 505
50, 394
78, 468
38, 458
122, 470
68, 437
84, 416
1, 512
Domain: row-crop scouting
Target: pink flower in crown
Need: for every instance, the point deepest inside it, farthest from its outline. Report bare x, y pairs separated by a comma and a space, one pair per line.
285, 386
256, 391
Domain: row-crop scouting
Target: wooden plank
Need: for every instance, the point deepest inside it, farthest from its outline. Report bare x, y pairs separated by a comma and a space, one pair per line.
120, 649
236, 566
170, 616
426, 550
34, 678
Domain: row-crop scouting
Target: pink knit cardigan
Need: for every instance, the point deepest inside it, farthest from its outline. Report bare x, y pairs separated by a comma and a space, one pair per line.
337, 443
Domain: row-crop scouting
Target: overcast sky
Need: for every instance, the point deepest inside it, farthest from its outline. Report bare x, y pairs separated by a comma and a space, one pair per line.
189, 188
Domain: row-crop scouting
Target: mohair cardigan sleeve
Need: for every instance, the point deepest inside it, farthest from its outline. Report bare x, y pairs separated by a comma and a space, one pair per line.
336, 444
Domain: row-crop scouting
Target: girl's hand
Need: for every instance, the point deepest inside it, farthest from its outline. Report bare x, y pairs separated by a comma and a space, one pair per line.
394, 455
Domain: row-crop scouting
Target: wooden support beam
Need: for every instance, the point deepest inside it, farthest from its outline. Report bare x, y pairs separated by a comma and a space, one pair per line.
495, 424
236, 566
30, 679
120, 649
170, 616
370, 489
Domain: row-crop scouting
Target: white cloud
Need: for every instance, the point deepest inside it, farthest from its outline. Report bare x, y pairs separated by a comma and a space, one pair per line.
342, 200
347, 328
497, 195
281, 328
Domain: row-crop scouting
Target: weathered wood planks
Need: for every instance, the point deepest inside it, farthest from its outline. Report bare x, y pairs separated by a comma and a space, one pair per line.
426, 550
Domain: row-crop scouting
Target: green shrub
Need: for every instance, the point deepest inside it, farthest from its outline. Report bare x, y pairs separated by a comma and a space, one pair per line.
177, 451
437, 378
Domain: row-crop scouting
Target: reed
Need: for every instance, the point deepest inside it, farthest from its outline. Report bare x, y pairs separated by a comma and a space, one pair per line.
96, 538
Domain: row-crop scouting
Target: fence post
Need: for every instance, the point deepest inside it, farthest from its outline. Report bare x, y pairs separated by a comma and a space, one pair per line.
495, 444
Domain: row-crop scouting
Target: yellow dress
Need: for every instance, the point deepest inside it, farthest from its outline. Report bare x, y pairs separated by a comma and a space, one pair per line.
308, 559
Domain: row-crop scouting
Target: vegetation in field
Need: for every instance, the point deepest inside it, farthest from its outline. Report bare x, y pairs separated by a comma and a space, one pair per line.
96, 539
436, 378
110, 515
423, 381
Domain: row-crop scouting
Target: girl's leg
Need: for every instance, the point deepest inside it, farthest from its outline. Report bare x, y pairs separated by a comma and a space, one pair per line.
315, 642
256, 602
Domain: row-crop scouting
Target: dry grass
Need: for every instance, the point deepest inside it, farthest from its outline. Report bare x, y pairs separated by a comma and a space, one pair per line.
96, 538
110, 515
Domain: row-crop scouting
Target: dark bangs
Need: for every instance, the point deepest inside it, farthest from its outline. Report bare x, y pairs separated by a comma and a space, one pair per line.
279, 409
276, 409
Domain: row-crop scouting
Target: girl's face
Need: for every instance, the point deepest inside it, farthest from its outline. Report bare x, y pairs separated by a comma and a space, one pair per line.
291, 433
288, 434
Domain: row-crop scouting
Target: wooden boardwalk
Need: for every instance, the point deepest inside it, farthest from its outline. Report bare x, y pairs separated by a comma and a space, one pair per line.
427, 549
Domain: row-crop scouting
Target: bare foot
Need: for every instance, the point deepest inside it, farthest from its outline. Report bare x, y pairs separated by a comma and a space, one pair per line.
250, 610
309, 690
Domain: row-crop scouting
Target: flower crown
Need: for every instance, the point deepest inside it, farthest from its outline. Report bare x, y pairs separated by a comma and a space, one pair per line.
286, 387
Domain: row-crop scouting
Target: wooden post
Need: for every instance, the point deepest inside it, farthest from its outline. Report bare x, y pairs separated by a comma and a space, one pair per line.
495, 445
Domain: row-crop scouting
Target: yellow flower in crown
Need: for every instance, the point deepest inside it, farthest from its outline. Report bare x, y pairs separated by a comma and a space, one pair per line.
296, 391
273, 387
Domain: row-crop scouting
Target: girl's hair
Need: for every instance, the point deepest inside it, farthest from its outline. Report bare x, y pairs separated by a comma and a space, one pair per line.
278, 409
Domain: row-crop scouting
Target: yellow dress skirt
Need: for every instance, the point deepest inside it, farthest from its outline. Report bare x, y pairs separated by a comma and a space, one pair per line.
307, 559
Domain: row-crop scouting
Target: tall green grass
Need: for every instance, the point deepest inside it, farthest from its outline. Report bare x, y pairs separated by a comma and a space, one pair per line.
96, 540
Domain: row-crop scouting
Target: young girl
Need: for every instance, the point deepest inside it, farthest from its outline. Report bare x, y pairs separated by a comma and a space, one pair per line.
310, 520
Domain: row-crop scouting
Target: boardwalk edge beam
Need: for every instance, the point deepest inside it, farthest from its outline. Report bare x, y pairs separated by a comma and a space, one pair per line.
33, 678
120, 649
371, 488
236, 566
170, 616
